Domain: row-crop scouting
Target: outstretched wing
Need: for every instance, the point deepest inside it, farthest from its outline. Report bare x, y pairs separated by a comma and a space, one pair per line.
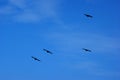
35, 58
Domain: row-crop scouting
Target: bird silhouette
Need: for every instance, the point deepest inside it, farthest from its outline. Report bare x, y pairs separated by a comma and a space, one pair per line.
86, 50
47, 51
35, 58
87, 15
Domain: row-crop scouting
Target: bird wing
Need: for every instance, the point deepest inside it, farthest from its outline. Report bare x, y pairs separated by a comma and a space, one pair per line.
35, 58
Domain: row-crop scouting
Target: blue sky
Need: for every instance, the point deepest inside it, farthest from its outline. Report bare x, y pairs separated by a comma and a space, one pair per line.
27, 26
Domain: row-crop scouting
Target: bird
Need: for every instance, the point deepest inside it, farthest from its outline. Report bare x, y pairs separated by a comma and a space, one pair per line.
47, 51
86, 50
35, 58
87, 15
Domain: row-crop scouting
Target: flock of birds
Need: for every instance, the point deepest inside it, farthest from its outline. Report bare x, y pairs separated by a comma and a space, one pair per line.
49, 52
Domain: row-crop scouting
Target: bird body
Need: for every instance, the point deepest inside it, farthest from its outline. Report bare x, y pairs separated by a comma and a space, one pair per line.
87, 15
86, 50
47, 51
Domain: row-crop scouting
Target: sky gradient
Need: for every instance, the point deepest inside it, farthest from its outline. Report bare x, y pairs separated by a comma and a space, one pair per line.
27, 26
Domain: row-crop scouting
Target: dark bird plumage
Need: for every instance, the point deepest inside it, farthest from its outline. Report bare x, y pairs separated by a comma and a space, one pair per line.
47, 51
86, 50
87, 15
35, 58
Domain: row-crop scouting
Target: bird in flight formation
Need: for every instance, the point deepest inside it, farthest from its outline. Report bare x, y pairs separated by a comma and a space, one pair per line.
35, 58
47, 51
88, 50
89, 16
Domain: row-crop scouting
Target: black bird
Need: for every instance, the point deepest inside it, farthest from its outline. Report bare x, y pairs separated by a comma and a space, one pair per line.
86, 50
47, 51
35, 58
87, 15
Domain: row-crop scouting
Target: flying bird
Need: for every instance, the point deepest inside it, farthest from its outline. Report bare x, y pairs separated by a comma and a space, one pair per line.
47, 51
87, 15
86, 50
35, 58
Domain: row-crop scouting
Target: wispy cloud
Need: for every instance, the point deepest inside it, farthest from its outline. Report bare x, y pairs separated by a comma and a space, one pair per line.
95, 69
28, 17
75, 41
18, 3
92, 1
31, 11
6, 10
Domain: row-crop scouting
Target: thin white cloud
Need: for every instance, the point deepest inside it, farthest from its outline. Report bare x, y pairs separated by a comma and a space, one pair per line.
94, 68
6, 10
18, 3
76, 41
48, 7
28, 17
92, 1
29, 11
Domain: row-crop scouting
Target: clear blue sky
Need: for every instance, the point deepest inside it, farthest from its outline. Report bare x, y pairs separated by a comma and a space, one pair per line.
28, 26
